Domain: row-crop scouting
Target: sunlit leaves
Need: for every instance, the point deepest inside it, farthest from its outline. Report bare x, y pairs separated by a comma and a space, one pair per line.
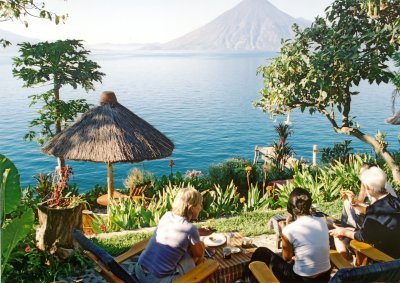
60, 63
318, 68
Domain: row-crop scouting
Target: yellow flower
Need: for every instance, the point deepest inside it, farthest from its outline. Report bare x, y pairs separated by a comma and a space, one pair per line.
248, 168
242, 200
270, 188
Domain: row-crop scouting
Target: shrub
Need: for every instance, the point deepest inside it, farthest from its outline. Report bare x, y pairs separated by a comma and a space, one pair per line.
325, 183
339, 152
28, 264
137, 178
234, 170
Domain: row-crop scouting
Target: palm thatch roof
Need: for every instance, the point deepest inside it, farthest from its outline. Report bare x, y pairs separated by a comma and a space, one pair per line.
110, 133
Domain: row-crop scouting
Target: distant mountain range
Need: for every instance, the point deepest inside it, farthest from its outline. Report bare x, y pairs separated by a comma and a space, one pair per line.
252, 25
14, 39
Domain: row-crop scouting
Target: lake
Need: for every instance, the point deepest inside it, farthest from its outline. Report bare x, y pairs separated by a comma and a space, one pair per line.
201, 101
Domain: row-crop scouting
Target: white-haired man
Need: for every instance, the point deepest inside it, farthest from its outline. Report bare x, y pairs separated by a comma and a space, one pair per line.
381, 226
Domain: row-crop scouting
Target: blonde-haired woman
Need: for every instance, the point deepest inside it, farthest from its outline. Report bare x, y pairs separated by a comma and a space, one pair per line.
175, 245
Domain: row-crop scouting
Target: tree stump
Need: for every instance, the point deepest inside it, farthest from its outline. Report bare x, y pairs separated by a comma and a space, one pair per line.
56, 226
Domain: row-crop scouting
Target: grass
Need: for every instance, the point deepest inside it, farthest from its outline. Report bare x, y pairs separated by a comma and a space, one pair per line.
333, 209
247, 223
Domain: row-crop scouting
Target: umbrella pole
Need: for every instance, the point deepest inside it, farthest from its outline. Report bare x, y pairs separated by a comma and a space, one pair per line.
110, 182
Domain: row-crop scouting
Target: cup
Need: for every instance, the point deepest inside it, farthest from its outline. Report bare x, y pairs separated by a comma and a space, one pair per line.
246, 242
226, 252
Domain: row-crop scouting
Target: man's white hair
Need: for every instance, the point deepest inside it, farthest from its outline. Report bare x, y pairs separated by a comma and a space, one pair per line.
375, 179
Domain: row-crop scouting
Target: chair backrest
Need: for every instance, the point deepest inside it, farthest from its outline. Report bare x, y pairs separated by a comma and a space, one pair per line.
104, 257
379, 272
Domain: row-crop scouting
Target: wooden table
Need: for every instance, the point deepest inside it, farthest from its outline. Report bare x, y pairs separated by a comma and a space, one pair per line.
232, 269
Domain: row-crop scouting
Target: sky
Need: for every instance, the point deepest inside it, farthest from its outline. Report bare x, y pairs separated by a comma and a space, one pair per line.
141, 21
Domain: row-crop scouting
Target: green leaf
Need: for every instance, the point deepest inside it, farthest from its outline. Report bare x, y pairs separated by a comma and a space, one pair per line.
14, 232
10, 189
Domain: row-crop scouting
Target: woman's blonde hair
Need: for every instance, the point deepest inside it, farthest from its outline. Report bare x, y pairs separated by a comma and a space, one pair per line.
185, 200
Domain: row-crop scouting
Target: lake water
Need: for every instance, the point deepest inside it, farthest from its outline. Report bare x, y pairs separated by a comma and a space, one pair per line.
201, 101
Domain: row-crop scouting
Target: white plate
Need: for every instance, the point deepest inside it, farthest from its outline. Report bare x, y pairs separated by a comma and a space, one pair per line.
214, 240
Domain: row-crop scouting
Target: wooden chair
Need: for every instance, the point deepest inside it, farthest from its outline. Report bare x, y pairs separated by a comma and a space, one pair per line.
388, 271
364, 252
113, 272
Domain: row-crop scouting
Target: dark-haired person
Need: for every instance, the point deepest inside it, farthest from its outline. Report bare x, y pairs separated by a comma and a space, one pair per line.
354, 206
381, 225
306, 238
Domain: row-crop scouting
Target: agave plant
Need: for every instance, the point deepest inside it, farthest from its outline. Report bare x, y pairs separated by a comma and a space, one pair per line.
255, 200
224, 202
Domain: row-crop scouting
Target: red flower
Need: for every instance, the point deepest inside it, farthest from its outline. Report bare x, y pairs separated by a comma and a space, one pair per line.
27, 249
103, 228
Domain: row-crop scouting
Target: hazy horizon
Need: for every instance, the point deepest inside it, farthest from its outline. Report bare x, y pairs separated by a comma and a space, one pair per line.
137, 22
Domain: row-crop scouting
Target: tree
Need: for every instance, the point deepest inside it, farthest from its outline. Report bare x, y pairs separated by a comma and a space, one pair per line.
318, 69
60, 63
23, 9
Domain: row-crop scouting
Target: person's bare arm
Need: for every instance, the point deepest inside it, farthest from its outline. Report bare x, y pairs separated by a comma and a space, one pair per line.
287, 249
363, 194
197, 251
340, 232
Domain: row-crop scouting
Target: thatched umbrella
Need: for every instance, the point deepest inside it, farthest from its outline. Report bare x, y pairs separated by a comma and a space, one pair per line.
110, 133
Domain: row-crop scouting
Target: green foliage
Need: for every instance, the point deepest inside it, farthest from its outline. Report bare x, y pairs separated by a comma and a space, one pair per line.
164, 181
59, 63
318, 70
44, 183
256, 200
21, 10
92, 195
28, 264
223, 202
118, 244
247, 223
340, 151
233, 170
124, 214
137, 177
325, 183
163, 203
16, 222
128, 214
10, 187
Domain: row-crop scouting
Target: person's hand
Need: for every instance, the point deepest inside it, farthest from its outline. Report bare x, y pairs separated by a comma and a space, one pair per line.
198, 260
205, 230
347, 194
337, 232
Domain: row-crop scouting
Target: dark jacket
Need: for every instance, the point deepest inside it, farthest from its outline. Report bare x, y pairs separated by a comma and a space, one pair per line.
381, 226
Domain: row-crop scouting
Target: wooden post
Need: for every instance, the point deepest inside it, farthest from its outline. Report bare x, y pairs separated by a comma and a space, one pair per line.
110, 181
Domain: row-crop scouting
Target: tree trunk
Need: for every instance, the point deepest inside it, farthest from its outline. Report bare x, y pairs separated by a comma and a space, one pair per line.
56, 226
60, 160
395, 168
